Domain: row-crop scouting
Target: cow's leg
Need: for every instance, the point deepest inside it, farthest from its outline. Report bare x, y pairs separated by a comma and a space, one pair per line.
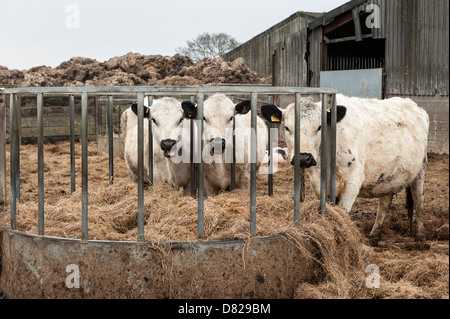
131, 173
314, 178
133, 177
244, 181
417, 194
384, 203
349, 193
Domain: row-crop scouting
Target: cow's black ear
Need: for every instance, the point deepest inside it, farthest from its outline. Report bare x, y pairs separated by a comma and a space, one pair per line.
134, 108
271, 113
146, 112
190, 109
341, 111
243, 107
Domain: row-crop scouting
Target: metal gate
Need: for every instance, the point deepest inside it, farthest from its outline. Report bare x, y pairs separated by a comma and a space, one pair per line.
327, 98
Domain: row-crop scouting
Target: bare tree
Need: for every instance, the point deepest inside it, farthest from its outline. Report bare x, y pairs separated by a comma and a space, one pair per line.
208, 46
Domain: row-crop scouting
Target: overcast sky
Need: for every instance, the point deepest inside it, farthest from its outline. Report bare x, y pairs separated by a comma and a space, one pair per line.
48, 32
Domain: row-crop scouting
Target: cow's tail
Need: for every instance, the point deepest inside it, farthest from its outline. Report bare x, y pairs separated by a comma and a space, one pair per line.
410, 206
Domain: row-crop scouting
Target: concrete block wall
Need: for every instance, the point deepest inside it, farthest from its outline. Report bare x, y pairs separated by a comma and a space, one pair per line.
437, 108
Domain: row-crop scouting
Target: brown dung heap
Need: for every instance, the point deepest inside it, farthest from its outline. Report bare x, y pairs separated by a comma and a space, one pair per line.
134, 69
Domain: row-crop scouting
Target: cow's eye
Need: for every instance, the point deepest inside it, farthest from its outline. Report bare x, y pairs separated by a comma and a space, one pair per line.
287, 129
154, 121
181, 120
204, 119
320, 127
231, 118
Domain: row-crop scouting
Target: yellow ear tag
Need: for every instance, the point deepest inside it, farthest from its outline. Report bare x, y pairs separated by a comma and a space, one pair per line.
273, 118
189, 115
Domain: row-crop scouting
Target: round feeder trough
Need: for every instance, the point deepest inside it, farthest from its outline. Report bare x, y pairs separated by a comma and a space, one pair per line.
49, 267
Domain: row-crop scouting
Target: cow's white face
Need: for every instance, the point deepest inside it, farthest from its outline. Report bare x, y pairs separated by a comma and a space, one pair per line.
167, 124
218, 112
310, 128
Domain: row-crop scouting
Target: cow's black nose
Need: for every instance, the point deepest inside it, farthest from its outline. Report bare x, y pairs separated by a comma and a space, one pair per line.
217, 143
306, 160
166, 145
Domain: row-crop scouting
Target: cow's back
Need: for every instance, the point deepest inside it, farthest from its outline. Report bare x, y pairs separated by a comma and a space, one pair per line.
388, 138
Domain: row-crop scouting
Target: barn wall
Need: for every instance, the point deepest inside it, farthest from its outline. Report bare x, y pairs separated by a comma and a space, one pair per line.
417, 57
417, 60
285, 45
417, 52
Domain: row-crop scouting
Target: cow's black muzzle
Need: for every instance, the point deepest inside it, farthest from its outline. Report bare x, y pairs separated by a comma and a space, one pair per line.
216, 144
306, 160
168, 147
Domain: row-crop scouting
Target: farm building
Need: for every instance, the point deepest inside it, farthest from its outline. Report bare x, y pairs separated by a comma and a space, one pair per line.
385, 47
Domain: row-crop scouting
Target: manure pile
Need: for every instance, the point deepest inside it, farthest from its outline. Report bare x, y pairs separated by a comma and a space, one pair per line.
134, 69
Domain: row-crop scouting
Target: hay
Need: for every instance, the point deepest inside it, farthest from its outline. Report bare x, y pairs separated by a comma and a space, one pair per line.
336, 242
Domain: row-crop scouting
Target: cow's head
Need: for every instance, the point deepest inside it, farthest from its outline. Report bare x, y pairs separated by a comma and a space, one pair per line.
167, 124
310, 127
218, 113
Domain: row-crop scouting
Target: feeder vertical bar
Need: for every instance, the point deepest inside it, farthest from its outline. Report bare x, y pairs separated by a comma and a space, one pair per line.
16, 149
323, 157
109, 125
18, 142
13, 155
72, 142
150, 142
200, 207
254, 101
40, 120
270, 153
84, 166
191, 153
233, 159
99, 117
332, 140
119, 113
140, 133
297, 172
2, 148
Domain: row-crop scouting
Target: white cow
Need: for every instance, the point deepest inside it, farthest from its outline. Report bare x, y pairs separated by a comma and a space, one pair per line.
381, 149
171, 135
218, 112
128, 124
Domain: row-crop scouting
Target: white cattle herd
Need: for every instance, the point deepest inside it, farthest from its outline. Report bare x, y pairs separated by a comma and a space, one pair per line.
381, 147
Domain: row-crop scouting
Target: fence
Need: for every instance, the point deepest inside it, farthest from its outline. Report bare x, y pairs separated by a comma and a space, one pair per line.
328, 149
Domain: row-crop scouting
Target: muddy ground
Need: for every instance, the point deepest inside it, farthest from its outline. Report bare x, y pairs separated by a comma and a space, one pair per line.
407, 270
